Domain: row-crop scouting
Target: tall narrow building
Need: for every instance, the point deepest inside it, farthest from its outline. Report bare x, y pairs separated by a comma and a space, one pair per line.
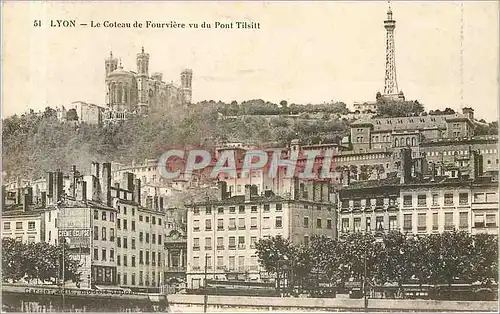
390, 85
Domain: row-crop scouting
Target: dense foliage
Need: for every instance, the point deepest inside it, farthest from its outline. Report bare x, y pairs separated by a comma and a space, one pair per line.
446, 258
40, 261
34, 144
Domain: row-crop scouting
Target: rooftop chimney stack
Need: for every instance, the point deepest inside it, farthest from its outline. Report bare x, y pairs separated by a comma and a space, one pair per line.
73, 181
433, 172
106, 184
137, 191
248, 192
406, 165
222, 189
95, 169
44, 199
346, 177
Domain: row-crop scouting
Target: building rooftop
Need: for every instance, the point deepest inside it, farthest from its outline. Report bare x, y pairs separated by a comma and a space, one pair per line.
409, 123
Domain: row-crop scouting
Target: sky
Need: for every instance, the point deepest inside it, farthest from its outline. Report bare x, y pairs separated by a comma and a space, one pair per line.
304, 52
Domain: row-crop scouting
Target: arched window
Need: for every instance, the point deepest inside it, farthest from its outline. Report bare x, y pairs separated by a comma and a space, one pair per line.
103, 234
120, 93
396, 142
413, 141
407, 141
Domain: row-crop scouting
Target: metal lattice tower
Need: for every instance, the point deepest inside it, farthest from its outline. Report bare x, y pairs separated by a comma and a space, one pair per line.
461, 55
391, 84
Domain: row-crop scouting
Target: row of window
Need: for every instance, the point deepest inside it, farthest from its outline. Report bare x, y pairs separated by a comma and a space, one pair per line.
104, 216
111, 238
266, 223
19, 225
241, 209
122, 279
220, 245
463, 199
480, 221
405, 142
122, 260
220, 263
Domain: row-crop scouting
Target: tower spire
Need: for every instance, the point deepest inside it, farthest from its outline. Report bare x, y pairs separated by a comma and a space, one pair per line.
461, 55
390, 83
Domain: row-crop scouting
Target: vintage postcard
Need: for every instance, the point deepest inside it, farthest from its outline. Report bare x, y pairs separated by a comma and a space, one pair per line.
252, 156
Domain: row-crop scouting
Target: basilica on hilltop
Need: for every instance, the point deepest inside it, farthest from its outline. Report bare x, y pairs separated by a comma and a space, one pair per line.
129, 91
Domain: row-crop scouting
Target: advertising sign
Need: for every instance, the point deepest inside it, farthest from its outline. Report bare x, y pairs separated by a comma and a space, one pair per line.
76, 237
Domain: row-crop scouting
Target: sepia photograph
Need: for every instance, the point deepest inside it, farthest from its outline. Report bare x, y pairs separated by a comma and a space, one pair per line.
250, 156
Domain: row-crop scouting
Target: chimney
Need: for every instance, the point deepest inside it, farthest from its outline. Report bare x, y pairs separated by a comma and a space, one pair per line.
128, 181
106, 184
222, 189
44, 199
3, 196
60, 184
26, 202
433, 172
50, 184
29, 193
406, 165
254, 190
149, 202
137, 191
161, 202
296, 188
19, 196
95, 169
73, 181
248, 192
346, 177
84, 190
155, 199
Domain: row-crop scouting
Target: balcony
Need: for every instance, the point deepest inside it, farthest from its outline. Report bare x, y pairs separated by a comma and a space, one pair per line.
232, 228
220, 247
208, 248
196, 248
253, 227
241, 228
232, 247
219, 228
241, 246
449, 227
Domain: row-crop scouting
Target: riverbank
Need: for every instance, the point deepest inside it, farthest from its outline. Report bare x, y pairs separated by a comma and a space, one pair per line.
194, 303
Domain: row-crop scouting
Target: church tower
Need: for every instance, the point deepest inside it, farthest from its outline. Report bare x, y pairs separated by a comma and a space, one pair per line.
186, 81
110, 64
142, 77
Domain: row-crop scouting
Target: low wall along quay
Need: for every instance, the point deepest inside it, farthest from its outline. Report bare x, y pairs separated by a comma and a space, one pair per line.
216, 303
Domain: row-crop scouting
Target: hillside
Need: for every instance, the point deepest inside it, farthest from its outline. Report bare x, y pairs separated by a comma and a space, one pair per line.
33, 145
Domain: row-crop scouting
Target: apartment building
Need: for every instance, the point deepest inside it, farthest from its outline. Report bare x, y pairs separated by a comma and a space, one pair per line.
441, 200
222, 233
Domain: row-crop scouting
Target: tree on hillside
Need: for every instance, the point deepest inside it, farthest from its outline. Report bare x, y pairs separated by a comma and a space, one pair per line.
71, 115
388, 108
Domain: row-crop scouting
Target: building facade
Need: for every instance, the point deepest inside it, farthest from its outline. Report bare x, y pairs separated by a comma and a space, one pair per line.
222, 234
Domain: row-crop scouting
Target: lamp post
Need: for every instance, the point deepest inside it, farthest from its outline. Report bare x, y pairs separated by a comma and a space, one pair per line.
279, 269
205, 296
65, 240
365, 282
364, 279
